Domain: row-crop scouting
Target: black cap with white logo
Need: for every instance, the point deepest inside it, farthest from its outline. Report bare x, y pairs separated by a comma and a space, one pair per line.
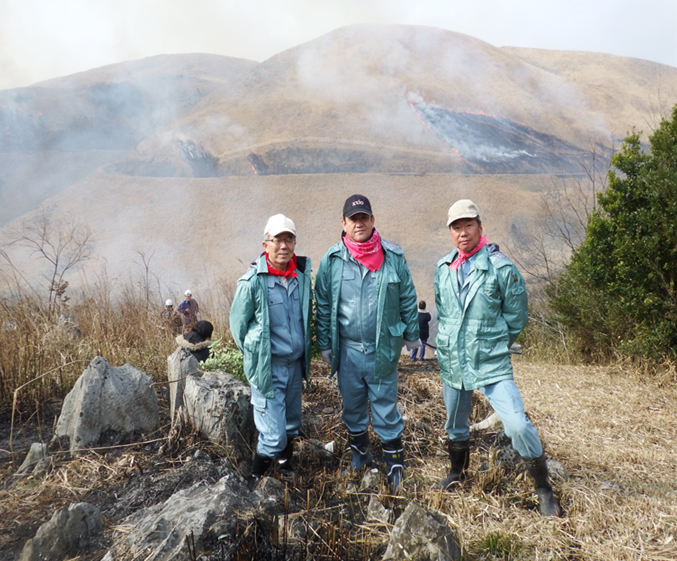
356, 204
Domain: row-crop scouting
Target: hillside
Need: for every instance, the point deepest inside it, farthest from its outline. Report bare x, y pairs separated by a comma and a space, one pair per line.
183, 157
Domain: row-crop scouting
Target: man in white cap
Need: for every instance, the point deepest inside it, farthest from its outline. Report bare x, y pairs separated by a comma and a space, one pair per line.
190, 311
365, 311
270, 323
482, 308
171, 318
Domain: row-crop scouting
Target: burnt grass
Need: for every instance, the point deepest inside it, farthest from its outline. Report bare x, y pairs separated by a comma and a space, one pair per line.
122, 478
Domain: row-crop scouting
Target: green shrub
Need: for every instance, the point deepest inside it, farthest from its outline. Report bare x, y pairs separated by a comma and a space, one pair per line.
619, 291
227, 357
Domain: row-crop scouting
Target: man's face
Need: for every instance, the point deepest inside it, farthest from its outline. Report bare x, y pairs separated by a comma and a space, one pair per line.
358, 227
280, 249
188, 297
466, 233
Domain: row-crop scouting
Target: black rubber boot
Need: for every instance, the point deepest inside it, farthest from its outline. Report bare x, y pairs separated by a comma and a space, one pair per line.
459, 456
284, 458
260, 466
538, 469
393, 454
359, 446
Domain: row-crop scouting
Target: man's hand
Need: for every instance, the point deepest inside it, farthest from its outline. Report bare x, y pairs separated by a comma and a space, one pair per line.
326, 356
411, 345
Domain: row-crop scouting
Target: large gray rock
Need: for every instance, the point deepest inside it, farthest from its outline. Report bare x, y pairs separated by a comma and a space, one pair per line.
180, 365
65, 534
108, 398
218, 406
180, 528
422, 535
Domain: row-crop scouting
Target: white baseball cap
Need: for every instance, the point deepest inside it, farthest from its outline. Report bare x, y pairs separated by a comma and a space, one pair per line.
169, 302
464, 208
278, 224
188, 293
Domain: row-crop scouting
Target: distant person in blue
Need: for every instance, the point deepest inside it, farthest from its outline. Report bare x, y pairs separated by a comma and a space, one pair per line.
365, 311
190, 311
270, 323
424, 327
482, 308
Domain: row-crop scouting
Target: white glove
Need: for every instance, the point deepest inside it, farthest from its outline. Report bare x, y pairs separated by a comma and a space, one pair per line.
411, 345
326, 356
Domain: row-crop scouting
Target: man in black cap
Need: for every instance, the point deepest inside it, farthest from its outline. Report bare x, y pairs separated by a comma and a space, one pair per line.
365, 310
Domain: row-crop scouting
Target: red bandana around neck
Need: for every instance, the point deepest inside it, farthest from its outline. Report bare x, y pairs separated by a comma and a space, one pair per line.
462, 256
291, 268
367, 253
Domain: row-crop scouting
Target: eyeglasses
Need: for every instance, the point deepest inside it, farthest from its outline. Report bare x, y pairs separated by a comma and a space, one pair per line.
277, 243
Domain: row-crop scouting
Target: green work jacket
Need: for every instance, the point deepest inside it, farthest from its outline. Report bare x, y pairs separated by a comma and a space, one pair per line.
250, 322
396, 312
474, 337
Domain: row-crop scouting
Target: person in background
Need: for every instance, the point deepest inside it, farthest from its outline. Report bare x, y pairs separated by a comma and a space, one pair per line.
171, 318
197, 340
482, 308
190, 311
424, 328
270, 323
365, 308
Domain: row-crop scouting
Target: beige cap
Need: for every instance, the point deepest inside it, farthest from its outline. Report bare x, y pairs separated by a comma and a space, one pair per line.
278, 224
464, 208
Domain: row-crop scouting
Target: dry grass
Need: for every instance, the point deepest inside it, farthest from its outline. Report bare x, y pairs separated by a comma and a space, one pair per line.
612, 430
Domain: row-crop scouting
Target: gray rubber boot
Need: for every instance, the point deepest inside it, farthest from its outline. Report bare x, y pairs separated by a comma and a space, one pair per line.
260, 466
538, 469
459, 456
359, 446
393, 454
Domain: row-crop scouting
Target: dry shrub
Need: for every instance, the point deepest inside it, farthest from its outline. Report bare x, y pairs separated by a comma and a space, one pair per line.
42, 354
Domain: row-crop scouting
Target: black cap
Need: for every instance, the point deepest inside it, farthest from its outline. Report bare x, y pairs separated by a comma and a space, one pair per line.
356, 204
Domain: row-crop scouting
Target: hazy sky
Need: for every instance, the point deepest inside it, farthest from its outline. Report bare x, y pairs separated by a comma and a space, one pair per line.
41, 39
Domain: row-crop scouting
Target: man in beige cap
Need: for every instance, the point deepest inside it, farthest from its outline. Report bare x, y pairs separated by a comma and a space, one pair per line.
482, 308
270, 323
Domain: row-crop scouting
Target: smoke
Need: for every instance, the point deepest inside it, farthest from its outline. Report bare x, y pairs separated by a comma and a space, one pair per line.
41, 39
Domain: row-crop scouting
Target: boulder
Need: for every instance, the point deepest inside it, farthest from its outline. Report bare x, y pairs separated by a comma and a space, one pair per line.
218, 406
67, 533
35, 456
192, 520
180, 365
106, 398
376, 512
422, 535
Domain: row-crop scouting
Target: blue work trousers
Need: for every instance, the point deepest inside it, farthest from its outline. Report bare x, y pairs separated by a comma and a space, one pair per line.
505, 398
279, 419
420, 350
359, 389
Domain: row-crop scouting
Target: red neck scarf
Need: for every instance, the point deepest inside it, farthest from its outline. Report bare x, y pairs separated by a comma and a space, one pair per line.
462, 256
291, 268
369, 253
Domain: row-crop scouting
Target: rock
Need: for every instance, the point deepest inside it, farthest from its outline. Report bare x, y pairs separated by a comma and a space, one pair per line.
318, 450
491, 423
65, 534
106, 398
370, 480
376, 512
182, 526
180, 365
422, 535
557, 471
37, 452
218, 406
